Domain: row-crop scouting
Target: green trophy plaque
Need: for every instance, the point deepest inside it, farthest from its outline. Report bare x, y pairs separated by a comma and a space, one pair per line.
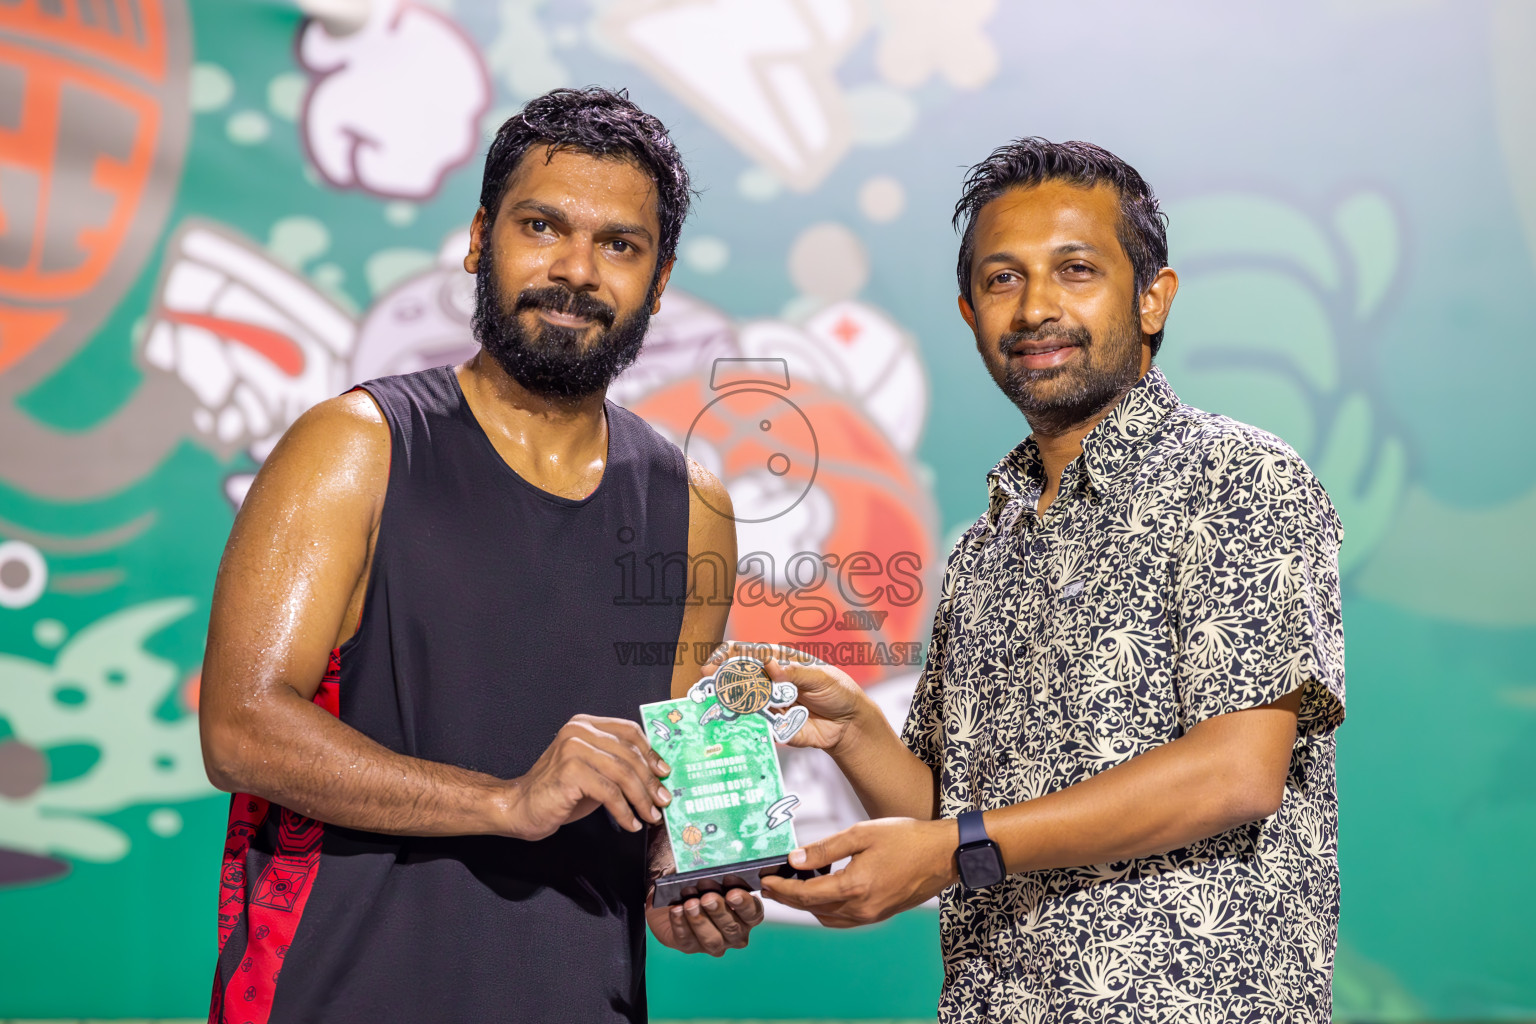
730, 821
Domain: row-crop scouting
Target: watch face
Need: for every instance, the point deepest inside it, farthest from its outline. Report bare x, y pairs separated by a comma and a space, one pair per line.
980, 865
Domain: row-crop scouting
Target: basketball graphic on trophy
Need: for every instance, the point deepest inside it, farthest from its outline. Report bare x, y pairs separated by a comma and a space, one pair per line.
742, 686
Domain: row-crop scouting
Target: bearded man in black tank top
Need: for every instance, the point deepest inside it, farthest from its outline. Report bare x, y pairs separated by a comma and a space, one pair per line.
413, 685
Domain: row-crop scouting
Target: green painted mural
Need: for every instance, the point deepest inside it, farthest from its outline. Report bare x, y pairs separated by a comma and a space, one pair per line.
215, 213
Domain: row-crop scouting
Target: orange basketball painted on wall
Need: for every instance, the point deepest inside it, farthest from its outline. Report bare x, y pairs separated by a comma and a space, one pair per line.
835, 532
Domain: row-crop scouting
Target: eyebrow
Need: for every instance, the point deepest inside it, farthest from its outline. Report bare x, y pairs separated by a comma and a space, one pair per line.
1065, 249
555, 214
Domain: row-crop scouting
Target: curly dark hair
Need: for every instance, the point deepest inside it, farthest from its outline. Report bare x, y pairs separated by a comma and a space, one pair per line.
600, 122
1143, 229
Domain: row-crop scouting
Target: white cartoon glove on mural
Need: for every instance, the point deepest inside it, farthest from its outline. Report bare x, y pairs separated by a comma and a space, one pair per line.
395, 105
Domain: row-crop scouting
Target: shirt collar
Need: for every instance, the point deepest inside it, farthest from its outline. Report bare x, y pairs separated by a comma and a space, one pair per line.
1108, 448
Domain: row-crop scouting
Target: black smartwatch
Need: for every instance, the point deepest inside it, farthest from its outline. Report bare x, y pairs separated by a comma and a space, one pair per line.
979, 860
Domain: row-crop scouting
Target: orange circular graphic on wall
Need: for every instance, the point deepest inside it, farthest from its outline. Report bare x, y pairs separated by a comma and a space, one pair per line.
835, 532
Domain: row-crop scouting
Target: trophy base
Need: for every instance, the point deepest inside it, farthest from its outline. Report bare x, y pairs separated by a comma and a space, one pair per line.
749, 874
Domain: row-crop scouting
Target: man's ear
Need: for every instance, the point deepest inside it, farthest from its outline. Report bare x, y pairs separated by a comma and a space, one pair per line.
967, 313
662, 277
476, 230
1157, 301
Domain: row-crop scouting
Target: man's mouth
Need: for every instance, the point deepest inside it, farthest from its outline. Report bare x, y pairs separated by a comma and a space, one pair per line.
565, 319
560, 308
1042, 355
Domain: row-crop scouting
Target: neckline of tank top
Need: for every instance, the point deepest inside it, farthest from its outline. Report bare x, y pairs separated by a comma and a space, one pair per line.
490, 449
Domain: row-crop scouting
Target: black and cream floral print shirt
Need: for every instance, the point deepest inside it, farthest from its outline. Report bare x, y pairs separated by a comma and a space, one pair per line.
1188, 568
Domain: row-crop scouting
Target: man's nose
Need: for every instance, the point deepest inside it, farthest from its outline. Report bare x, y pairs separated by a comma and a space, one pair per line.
575, 266
1039, 304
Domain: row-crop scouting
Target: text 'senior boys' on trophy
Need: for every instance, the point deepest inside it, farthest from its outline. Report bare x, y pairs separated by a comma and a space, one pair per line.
730, 821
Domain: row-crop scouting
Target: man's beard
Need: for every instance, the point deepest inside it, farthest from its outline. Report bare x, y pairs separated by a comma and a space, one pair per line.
551, 361
1076, 392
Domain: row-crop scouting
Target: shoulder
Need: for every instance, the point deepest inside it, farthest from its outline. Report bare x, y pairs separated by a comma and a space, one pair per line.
338, 449
347, 425
710, 512
1212, 444
434, 392
971, 538
1228, 462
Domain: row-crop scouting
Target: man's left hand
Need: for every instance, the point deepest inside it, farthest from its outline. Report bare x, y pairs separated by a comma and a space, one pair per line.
897, 864
712, 923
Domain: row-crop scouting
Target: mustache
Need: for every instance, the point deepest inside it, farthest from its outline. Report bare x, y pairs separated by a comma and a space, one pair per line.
1078, 336
563, 300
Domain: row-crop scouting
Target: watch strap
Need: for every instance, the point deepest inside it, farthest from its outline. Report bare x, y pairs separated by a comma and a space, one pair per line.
972, 830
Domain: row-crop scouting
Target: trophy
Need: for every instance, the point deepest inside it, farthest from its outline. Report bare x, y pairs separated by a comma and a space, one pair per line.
730, 822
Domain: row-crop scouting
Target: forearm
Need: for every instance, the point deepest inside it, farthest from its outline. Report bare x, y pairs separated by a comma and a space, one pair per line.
1161, 800
889, 780
290, 751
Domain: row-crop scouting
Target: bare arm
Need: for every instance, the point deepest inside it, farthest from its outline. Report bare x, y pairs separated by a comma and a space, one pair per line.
711, 575
889, 780
289, 587
1225, 771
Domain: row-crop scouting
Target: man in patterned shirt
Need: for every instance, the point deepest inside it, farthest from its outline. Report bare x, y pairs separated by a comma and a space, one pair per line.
1136, 667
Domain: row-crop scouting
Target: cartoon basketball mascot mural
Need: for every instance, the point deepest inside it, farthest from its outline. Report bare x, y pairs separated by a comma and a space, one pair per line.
809, 426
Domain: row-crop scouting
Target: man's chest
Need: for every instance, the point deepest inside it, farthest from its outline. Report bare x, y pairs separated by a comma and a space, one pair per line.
1061, 650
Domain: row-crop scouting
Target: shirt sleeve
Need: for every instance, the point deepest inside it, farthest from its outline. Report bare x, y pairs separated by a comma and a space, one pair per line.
1257, 588
924, 731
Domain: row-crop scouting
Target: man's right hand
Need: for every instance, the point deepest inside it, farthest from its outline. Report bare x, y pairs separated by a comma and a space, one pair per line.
593, 762
836, 703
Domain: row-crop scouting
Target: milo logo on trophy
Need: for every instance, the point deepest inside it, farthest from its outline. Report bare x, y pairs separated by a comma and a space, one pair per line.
730, 821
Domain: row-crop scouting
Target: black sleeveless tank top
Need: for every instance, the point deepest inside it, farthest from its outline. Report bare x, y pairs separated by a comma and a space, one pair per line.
494, 612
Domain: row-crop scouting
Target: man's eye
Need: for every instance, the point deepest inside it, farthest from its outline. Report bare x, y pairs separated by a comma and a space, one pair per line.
539, 225
1004, 278
619, 245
